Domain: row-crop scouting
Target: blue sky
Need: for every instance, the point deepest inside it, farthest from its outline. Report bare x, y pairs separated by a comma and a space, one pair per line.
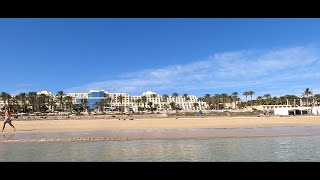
185, 55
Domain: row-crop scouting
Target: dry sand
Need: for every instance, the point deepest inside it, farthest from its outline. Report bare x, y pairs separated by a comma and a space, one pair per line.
165, 127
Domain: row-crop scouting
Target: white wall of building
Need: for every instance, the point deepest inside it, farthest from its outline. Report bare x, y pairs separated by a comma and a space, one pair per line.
315, 110
78, 96
130, 101
281, 111
285, 111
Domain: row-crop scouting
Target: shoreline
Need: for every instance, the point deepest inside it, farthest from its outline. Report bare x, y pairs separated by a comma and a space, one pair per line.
160, 128
173, 134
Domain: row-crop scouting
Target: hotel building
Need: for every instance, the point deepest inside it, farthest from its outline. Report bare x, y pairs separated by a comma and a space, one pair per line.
129, 101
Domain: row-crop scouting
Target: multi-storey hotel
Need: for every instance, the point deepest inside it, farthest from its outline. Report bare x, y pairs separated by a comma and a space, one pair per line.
94, 96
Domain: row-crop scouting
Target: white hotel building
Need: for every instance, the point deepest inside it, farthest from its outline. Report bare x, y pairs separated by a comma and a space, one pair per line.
130, 101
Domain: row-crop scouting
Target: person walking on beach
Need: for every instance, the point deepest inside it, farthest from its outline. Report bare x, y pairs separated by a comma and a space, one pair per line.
7, 118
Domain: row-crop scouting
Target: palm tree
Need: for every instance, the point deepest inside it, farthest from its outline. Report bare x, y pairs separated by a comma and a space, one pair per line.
138, 101
153, 96
156, 106
224, 97
317, 98
259, 98
186, 97
150, 105
274, 100
234, 96
229, 99
14, 104
60, 95
165, 97
246, 94
307, 92
291, 99
195, 105
99, 105
144, 100
177, 107
69, 101
22, 97
238, 100
9, 97
175, 95
108, 100
166, 107
120, 99
241, 105
52, 104
32, 98
267, 97
173, 106
216, 100
42, 99
206, 98
283, 100
104, 102
251, 93
84, 103
5, 97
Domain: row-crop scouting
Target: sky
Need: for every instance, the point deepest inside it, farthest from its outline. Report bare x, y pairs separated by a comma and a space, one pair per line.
197, 56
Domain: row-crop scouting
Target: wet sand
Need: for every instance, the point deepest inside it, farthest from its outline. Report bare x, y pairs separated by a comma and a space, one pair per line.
159, 128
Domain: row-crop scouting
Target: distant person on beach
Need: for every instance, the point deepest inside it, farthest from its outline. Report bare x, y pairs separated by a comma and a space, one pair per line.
7, 118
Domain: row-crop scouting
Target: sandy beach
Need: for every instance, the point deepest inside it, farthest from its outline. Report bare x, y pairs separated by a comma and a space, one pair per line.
158, 128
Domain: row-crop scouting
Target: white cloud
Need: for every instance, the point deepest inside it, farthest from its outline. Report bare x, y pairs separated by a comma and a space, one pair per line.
249, 69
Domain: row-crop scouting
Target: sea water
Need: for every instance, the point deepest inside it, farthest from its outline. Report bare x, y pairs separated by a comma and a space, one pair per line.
244, 149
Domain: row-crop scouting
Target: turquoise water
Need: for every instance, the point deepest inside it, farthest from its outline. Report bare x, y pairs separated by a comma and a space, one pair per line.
257, 149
